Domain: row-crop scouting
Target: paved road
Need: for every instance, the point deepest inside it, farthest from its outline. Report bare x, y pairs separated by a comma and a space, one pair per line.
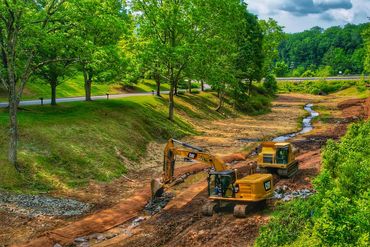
80, 99
333, 78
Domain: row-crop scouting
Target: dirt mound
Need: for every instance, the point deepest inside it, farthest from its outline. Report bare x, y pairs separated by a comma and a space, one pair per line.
233, 157
367, 108
349, 103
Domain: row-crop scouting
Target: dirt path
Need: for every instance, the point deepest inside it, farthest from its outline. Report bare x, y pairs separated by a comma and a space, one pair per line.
219, 137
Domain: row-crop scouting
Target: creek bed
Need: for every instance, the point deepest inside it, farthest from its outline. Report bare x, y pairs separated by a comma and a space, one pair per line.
307, 125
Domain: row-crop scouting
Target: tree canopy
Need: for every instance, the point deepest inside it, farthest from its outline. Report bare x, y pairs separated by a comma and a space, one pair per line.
341, 48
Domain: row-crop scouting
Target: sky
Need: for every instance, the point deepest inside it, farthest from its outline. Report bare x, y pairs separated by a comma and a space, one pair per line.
300, 15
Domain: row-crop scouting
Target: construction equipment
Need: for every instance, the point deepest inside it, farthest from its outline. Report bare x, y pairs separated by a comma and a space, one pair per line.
224, 186
278, 157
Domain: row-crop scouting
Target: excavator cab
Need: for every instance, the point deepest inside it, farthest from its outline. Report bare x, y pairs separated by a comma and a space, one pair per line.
278, 157
221, 184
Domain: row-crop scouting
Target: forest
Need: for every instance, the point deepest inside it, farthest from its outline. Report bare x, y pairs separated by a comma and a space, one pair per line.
323, 52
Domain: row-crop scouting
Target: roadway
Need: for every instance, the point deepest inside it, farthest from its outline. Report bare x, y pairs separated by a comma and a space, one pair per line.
332, 78
80, 99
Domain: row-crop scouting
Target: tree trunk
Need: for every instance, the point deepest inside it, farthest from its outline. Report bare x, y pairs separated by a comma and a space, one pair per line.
189, 85
202, 85
220, 101
53, 86
176, 89
88, 81
171, 102
158, 82
250, 88
13, 131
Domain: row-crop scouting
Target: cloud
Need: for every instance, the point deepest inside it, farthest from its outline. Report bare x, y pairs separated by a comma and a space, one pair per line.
298, 15
305, 7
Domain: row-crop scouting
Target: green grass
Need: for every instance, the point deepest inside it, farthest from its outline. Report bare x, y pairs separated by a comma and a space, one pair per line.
354, 92
315, 87
74, 87
149, 85
69, 145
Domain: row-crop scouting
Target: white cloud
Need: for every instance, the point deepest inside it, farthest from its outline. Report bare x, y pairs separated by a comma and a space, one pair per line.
298, 15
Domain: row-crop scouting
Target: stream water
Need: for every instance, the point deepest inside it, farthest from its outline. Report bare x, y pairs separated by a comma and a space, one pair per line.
307, 125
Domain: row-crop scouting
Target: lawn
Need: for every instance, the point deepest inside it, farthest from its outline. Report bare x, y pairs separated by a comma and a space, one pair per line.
68, 145
74, 87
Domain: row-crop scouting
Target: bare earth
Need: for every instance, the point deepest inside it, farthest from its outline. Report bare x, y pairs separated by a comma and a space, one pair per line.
183, 225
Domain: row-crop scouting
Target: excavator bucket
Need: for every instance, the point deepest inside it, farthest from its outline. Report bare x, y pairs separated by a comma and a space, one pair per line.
157, 188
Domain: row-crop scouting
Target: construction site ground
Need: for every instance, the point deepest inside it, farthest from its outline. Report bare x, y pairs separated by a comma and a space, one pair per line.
118, 218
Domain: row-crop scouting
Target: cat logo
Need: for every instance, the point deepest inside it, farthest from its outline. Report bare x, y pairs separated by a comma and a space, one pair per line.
192, 155
267, 185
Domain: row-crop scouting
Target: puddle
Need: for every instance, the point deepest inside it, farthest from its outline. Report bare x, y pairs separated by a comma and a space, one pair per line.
307, 125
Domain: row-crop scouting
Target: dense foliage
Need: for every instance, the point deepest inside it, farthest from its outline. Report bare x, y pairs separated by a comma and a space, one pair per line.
324, 52
338, 214
215, 42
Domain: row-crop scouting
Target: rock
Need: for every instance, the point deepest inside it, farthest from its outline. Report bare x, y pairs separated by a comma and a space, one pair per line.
127, 232
57, 245
80, 240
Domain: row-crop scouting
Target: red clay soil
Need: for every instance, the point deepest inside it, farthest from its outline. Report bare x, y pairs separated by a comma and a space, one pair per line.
181, 223
367, 108
120, 213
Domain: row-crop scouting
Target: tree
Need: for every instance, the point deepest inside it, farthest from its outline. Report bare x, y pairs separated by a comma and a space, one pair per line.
23, 25
366, 36
250, 58
169, 29
337, 59
308, 48
55, 46
215, 56
98, 27
281, 69
272, 37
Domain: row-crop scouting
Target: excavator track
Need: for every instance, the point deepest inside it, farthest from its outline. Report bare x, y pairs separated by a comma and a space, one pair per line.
209, 208
290, 171
240, 210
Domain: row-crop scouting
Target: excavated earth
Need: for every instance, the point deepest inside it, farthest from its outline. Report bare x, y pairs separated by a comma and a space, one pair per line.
118, 218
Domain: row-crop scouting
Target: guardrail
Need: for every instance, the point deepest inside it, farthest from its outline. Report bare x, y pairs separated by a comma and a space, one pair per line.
332, 78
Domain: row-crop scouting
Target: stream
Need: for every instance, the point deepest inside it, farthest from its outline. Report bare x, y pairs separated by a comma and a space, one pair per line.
307, 125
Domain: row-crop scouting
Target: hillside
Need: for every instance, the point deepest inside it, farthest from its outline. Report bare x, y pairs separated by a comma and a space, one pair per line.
96, 140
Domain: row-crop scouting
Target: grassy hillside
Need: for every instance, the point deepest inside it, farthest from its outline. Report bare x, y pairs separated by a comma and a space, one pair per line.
324, 87
75, 87
68, 145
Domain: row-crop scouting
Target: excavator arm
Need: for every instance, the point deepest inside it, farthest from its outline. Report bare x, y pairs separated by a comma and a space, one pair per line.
195, 153
185, 150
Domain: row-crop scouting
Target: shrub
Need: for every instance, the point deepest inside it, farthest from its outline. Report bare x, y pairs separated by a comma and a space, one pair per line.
308, 73
338, 214
270, 84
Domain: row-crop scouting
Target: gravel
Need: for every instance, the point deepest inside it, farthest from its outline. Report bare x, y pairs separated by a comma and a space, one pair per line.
285, 194
37, 205
156, 205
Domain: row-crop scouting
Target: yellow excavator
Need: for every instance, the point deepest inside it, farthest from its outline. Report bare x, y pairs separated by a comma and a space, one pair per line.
224, 186
278, 157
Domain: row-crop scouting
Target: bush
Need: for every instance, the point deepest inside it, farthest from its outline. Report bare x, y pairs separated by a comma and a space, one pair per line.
338, 214
254, 105
270, 84
287, 223
315, 87
308, 73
